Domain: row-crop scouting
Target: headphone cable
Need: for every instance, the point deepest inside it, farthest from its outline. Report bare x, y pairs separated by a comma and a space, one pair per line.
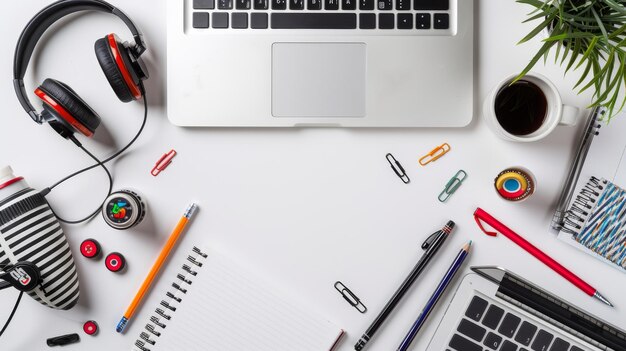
17, 303
115, 155
47, 190
99, 163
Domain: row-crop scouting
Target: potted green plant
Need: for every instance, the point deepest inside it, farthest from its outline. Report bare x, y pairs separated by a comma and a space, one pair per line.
587, 36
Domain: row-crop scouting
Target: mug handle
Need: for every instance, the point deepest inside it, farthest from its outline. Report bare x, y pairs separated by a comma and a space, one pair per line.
569, 117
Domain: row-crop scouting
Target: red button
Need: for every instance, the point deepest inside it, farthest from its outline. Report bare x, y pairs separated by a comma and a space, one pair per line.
115, 262
90, 248
90, 327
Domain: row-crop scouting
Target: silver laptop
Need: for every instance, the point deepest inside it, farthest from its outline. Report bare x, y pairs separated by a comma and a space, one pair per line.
354, 63
496, 310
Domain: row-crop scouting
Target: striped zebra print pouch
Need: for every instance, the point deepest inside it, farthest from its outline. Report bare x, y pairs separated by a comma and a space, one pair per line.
29, 231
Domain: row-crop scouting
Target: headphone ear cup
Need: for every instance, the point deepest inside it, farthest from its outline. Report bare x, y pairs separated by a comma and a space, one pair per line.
64, 104
116, 64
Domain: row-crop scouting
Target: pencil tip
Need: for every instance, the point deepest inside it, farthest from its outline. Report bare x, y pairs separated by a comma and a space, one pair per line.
467, 246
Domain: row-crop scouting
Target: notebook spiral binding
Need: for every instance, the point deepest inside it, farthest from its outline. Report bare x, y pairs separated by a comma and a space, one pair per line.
167, 306
580, 210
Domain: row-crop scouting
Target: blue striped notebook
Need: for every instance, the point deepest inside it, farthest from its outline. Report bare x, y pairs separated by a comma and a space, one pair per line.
596, 221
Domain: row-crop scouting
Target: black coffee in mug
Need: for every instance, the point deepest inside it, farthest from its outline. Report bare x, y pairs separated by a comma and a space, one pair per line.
521, 107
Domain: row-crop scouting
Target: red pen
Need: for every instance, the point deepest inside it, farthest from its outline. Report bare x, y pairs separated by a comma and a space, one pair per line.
481, 215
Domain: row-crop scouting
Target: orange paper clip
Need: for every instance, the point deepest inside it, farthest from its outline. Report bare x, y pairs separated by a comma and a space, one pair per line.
163, 162
435, 154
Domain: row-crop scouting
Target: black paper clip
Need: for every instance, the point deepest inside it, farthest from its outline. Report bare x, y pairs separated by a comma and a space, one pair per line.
398, 169
349, 296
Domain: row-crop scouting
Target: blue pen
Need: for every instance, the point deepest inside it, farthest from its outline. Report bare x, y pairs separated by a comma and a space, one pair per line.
432, 302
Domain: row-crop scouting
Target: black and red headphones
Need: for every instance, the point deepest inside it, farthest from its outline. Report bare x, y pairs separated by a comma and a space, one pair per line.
63, 109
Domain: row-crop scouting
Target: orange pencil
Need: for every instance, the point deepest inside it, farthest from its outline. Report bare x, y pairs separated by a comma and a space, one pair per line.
156, 267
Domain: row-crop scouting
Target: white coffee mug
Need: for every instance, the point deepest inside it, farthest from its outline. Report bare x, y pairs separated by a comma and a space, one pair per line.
556, 112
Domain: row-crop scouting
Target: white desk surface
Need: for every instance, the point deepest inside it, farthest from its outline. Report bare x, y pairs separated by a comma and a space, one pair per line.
306, 207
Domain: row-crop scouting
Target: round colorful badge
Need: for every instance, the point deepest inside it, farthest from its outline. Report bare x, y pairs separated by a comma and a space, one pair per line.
123, 209
515, 184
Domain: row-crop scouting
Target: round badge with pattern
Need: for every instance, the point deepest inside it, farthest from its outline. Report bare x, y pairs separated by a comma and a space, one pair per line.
515, 184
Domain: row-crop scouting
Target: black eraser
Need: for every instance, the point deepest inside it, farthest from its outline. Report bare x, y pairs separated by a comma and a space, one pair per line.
63, 340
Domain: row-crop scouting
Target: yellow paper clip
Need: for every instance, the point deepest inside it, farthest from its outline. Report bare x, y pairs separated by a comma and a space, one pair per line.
453, 185
435, 154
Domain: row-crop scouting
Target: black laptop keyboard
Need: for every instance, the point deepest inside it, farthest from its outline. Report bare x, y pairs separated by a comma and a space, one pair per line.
415, 15
487, 327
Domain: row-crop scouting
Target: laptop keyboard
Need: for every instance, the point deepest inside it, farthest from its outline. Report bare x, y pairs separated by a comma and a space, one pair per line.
417, 16
486, 327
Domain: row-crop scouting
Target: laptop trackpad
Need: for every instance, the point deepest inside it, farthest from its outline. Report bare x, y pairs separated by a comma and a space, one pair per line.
318, 79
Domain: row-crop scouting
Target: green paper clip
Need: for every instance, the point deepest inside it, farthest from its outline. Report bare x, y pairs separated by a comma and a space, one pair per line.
453, 185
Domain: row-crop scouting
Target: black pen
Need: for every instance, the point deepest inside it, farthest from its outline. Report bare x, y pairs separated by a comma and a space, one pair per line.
431, 245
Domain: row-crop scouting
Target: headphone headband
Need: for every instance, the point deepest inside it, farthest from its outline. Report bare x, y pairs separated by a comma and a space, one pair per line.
38, 25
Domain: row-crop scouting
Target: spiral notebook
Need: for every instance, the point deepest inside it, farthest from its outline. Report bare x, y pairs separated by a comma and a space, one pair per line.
591, 214
212, 304
597, 221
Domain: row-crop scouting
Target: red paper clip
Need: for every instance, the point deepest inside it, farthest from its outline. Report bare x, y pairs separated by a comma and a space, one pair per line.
163, 162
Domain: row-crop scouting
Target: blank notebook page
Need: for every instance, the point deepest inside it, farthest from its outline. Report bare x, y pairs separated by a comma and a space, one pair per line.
225, 308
